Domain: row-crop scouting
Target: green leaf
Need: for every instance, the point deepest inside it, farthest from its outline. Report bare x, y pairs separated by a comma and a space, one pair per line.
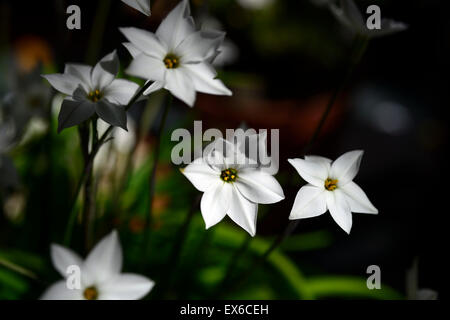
348, 286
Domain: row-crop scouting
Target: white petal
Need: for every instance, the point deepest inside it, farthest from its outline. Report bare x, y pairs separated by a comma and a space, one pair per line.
125, 286
81, 72
339, 209
318, 159
243, 212
64, 83
259, 186
200, 174
147, 67
309, 202
132, 49
357, 199
176, 26
313, 172
74, 112
112, 113
215, 203
59, 291
194, 48
105, 260
145, 41
120, 91
180, 84
345, 168
204, 78
62, 258
155, 86
105, 71
216, 38
140, 5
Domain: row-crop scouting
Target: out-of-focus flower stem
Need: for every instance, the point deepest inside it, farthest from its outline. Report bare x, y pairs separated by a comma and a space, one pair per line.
90, 196
152, 177
20, 270
172, 262
88, 167
359, 47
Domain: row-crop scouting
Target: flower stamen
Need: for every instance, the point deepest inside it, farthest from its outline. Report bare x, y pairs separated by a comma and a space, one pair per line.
331, 184
229, 175
171, 61
95, 95
90, 293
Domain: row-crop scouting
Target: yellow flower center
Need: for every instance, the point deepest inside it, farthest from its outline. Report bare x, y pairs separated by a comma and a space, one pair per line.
229, 175
95, 95
171, 61
331, 184
90, 293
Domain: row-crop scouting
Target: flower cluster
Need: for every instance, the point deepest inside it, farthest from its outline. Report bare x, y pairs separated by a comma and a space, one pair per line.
178, 58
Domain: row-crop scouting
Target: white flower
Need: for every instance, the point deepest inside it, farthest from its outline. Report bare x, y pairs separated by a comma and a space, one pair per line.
330, 187
108, 159
349, 15
93, 90
140, 5
176, 57
232, 186
100, 274
255, 4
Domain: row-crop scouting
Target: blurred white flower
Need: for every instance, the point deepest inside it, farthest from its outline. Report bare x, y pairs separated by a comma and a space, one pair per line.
122, 144
349, 15
34, 128
100, 274
232, 186
140, 5
93, 90
227, 53
176, 57
255, 4
330, 187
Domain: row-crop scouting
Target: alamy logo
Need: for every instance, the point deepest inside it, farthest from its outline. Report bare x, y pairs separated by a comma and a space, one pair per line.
241, 147
74, 20
374, 21
73, 279
374, 280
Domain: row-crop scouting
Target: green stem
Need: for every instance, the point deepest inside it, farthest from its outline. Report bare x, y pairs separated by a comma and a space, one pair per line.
358, 49
152, 176
177, 248
89, 196
88, 165
18, 269
232, 265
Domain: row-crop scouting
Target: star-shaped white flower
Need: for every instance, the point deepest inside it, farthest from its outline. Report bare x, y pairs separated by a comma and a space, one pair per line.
100, 274
176, 57
140, 5
93, 90
349, 15
330, 187
232, 186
